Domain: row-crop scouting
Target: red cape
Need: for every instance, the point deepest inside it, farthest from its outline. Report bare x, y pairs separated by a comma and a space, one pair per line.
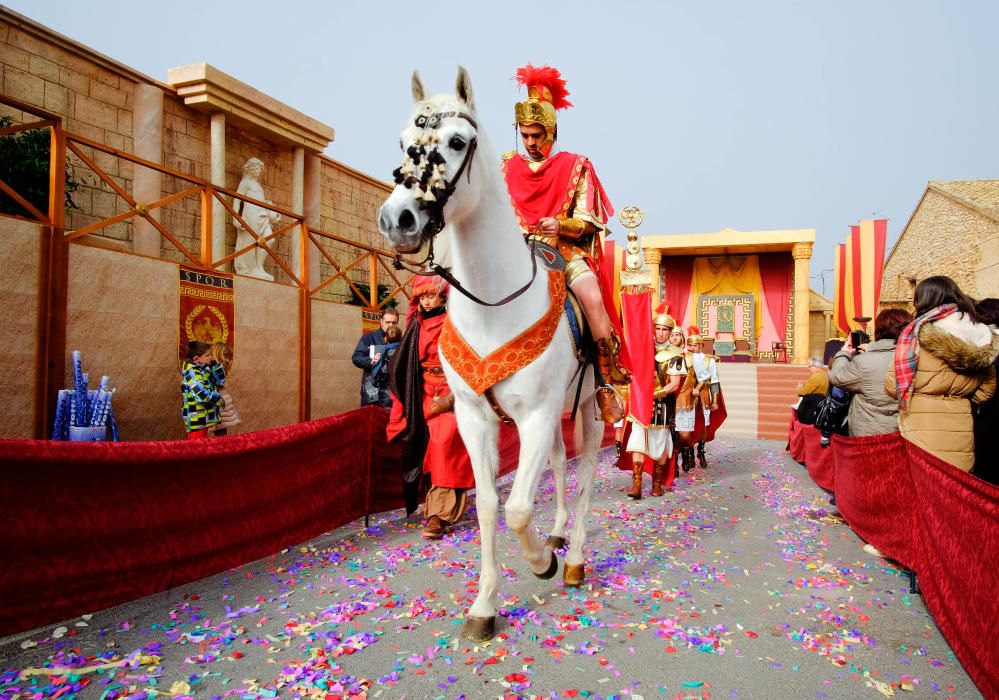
551, 189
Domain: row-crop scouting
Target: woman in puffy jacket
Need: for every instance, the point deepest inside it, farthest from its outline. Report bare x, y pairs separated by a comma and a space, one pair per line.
943, 364
862, 371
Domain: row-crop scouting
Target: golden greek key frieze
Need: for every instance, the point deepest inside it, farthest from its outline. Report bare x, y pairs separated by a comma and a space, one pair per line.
210, 295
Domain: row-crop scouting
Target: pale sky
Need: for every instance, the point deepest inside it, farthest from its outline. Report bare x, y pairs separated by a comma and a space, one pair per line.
707, 115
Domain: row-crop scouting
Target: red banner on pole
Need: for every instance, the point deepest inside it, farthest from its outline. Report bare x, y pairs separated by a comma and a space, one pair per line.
207, 308
637, 312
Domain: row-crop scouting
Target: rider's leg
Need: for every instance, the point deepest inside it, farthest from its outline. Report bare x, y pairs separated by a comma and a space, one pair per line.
587, 290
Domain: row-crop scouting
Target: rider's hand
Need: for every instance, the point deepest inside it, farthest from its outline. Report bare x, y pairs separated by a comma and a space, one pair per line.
548, 226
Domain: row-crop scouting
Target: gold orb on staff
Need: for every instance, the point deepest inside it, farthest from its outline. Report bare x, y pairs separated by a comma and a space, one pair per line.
634, 274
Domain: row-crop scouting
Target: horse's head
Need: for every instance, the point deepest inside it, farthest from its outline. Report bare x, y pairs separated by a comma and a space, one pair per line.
438, 145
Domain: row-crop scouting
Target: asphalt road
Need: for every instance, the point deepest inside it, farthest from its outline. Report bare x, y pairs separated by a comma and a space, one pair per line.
739, 584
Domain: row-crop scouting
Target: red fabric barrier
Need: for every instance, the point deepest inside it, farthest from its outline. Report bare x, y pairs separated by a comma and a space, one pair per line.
875, 494
90, 525
796, 439
958, 517
819, 461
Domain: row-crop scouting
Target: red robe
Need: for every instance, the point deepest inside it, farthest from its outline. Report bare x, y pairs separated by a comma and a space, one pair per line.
446, 459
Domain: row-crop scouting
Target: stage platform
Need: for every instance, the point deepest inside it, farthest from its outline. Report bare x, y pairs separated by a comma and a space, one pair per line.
757, 397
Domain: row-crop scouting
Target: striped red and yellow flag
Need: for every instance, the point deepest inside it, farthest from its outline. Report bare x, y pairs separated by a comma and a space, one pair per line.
840, 317
858, 268
869, 253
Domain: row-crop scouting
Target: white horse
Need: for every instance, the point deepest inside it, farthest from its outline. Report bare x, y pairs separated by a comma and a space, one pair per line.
463, 185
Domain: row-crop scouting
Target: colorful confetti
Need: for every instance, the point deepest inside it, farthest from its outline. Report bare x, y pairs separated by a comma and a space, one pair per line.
739, 583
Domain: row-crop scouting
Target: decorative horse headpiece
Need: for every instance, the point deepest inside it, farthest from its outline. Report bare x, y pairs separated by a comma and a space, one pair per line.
661, 317
423, 166
546, 93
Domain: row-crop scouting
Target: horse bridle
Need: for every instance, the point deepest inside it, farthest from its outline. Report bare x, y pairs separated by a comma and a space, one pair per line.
434, 193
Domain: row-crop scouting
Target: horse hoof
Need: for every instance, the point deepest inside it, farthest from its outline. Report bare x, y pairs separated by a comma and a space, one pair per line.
479, 629
573, 575
555, 542
552, 570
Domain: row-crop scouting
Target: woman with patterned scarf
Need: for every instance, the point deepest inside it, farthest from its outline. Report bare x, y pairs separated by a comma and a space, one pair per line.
422, 415
943, 364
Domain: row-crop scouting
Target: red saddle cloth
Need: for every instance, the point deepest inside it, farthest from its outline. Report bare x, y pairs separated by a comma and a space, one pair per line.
481, 373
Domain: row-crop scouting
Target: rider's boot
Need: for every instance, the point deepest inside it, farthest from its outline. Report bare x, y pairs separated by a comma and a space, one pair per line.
657, 478
609, 359
638, 462
608, 400
702, 459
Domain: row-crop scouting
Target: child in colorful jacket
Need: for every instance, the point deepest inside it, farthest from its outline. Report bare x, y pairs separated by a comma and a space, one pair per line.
199, 387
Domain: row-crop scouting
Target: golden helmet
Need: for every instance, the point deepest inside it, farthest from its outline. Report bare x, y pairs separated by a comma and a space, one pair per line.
546, 93
661, 317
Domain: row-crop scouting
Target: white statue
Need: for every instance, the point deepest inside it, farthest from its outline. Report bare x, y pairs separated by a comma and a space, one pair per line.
251, 263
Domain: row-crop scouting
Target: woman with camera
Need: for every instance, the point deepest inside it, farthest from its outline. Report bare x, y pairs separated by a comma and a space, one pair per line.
861, 371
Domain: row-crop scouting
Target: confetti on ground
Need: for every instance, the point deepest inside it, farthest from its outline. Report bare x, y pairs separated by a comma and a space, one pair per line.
742, 582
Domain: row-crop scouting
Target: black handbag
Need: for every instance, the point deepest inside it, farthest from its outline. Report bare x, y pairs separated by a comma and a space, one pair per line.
832, 412
808, 408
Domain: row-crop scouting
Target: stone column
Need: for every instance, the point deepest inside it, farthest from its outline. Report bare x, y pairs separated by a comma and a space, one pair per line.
312, 206
297, 204
147, 187
827, 316
652, 259
219, 213
802, 253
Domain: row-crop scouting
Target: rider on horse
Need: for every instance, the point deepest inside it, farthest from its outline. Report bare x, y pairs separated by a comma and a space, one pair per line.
559, 200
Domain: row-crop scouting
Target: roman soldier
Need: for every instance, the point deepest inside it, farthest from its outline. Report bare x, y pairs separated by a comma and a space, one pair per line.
654, 441
698, 401
558, 200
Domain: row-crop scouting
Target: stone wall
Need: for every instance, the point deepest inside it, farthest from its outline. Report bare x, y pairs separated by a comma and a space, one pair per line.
19, 262
122, 308
95, 96
122, 315
94, 99
943, 237
350, 202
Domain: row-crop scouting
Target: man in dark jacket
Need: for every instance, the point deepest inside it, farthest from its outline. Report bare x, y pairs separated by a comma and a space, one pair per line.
986, 415
365, 358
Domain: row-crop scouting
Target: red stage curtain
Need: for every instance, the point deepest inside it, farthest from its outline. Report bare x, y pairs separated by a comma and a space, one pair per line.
775, 279
90, 525
875, 494
958, 518
679, 273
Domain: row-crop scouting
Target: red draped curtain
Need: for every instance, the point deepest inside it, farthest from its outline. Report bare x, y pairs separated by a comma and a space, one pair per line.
775, 277
679, 272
